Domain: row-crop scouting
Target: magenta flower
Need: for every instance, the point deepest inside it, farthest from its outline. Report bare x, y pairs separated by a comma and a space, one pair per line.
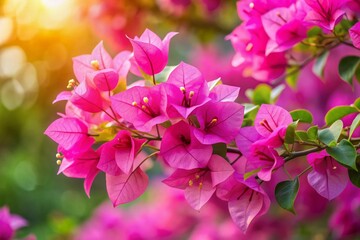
186, 89
246, 137
181, 149
118, 155
270, 118
354, 32
246, 200
264, 158
99, 59
81, 166
9, 223
71, 134
150, 52
125, 188
200, 184
88, 98
328, 177
219, 122
144, 107
284, 28
325, 13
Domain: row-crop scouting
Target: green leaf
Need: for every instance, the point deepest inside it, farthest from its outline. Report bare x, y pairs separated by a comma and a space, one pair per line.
292, 75
302, 115
337, 113
290, 133
344, 153
354, 177
302, 136
355, 123
247, 122
314, 32
220, 149
319, 64
286, 192
312, 133
357, 103
329, 136
347, 68
261, 94
275, 93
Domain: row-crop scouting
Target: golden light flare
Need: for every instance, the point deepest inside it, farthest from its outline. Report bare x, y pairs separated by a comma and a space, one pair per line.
48, 14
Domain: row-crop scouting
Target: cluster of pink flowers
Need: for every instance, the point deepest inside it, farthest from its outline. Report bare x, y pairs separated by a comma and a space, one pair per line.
265, 40
193, 126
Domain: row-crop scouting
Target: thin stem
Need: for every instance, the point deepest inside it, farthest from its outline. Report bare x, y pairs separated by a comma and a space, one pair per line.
302, 153
234, 150
157, 130
304, 171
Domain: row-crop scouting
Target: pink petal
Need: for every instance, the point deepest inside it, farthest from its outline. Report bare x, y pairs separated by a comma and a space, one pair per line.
122, 63
328, 177
125, 188
244, 210
105, 80
102, 56
88, 99
246, 137
107, 162
89, 180
229, 117
197, 195
180, 149
64, 95
220, 169
224, 93
150, 37
180, 178
166, 42
149, 57
271, 117
354, 32
82, 67
70, 133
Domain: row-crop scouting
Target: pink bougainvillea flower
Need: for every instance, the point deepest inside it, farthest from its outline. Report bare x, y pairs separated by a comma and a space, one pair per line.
99, 59
354, 32
246, 137
81, 166
284, 29
88, 98
144, 107
328, 177
125, 188
264, 158
325, 13
200, 184
224, 93
100, 69
9, 223
219, 122
118, 155
246, 200
271, 117
181, 149
150, 52
186, 89
71, 134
